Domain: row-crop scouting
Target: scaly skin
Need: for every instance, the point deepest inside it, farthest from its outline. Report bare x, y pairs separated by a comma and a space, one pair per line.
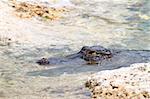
92, 55
95, 54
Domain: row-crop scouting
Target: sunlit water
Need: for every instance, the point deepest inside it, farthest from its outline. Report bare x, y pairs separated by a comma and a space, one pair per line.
115, 24
120, 24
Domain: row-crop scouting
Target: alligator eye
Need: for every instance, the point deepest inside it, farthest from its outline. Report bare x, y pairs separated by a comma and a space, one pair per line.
84, 48
91, 52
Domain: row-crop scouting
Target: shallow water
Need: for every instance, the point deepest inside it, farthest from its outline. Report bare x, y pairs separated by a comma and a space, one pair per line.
116, 24
109, 23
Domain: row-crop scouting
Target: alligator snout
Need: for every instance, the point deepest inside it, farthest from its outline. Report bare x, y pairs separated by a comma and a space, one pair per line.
43, 61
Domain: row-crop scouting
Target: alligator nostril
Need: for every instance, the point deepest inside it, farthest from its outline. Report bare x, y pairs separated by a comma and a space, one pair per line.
43, 61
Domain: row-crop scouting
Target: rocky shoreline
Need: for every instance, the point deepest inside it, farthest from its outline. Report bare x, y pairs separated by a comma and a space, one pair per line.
125, 83
108, 23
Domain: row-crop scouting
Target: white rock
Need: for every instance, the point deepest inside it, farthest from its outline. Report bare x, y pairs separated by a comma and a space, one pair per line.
127, 82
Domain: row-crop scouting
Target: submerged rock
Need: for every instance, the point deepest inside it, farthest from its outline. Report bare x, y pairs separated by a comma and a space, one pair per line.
125, 83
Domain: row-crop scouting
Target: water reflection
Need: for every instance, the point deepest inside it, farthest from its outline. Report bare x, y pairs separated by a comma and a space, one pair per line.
139, 25
112, 24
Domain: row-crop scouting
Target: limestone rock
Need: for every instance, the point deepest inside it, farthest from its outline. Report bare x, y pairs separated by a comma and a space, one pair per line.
125, 83
29, 10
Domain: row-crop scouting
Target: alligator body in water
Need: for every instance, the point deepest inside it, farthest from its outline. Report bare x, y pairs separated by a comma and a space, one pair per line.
91, 54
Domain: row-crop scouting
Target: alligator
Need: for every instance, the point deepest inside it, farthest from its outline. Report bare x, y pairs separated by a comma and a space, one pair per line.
97, 54
91, 54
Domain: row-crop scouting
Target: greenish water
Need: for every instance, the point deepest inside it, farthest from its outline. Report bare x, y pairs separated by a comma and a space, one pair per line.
140, 26
120, 24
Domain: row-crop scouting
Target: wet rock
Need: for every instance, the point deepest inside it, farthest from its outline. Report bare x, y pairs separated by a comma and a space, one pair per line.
125, 83
28, 10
